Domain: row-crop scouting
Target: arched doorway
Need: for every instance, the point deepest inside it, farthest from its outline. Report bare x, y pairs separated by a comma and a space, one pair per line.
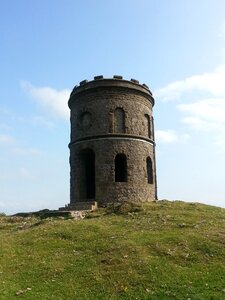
87, 174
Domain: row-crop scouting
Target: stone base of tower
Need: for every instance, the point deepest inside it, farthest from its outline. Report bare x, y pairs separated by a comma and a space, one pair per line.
136, 182
88, 205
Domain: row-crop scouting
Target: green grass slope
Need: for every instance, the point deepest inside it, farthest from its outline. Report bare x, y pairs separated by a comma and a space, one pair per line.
162, 250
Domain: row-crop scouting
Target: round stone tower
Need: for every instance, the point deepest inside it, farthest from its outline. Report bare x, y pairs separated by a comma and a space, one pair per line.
112, 147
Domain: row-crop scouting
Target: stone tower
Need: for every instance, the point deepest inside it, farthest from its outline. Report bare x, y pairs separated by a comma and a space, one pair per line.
112, 147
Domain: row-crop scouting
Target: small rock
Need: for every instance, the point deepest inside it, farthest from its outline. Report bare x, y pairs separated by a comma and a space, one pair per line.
20, 292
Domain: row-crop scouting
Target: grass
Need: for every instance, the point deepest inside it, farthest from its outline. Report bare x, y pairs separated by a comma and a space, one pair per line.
162, 250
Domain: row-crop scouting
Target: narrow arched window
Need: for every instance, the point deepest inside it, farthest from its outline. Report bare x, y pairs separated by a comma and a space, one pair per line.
87, 174
119, 120
153, 130
148, 125
149, 170
120, 168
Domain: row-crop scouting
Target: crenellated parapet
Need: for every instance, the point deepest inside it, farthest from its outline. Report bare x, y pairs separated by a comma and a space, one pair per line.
117, 82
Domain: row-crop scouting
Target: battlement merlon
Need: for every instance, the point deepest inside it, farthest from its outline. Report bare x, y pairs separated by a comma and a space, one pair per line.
116, 81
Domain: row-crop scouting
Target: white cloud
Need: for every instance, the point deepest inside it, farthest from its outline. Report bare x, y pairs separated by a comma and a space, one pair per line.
6, 139
166, 136
39, 120
197, 123
50, 99
5, 127
208, 116
26, 151
211, 109
34, 120
208, 83
13, 146
203, 102
2, 204
24, 173
16, 174
170, 136
222, 31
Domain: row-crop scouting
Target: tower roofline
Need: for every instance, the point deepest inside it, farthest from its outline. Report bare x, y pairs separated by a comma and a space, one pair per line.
116, 81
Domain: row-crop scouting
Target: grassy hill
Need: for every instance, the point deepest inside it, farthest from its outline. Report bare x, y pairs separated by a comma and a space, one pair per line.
162, 250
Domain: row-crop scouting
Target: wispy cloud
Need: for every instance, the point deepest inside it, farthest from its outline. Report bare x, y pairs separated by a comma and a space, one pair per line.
170, 136
26, 151
6, 139
24, 173
2, 204
55, 101
211, 83
19, 173
14, 146
32, 120
39, 120
222, 31
201, 101
4, 126
206, 115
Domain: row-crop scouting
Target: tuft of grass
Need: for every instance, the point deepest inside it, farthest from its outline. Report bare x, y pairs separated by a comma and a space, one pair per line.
162, 250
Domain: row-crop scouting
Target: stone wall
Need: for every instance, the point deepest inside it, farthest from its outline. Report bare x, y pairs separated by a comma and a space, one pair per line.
101, 105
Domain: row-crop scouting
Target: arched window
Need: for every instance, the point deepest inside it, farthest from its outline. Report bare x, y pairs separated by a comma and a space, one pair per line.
149, 170
153, 130
120, 168
148, 124
119, 120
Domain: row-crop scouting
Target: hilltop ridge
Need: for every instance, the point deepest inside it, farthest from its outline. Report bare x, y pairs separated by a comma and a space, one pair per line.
159, 250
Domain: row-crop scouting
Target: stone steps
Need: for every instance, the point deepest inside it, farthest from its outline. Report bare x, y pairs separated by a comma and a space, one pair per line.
86, 205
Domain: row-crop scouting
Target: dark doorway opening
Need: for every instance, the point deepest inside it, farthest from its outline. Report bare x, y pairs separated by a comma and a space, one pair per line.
87, 174
149, 170
120, 168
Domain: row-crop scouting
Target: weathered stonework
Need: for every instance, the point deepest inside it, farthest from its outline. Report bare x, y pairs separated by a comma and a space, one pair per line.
112, 148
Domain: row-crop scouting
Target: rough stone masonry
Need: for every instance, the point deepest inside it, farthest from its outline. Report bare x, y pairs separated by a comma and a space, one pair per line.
112, 147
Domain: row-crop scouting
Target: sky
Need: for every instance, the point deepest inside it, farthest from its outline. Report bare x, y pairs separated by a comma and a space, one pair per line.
47, 47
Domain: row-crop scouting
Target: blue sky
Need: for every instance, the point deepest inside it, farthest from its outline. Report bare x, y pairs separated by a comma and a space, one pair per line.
176, 47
